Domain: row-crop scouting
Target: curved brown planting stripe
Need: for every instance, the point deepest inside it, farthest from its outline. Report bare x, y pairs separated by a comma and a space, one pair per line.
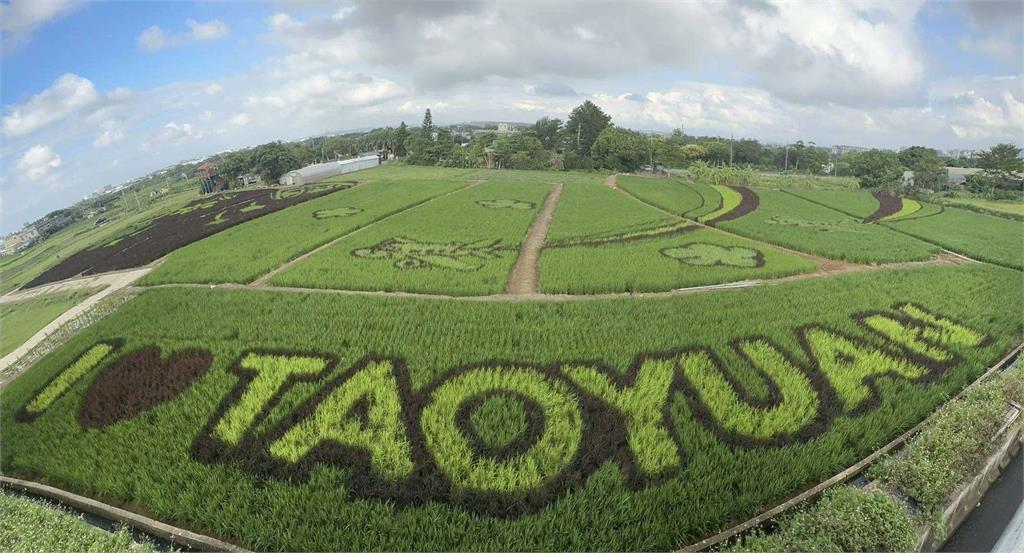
887, 205
748, 203
139, 381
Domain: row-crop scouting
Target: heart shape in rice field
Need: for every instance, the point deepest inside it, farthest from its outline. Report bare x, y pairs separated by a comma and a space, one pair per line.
140, 380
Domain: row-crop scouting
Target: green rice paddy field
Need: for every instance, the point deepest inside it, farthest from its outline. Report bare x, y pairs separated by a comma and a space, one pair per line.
366, 380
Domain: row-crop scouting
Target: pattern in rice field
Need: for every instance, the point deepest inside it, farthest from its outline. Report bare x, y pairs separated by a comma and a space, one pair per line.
710, 255
507, 203
406, 253
505, 438
344, 211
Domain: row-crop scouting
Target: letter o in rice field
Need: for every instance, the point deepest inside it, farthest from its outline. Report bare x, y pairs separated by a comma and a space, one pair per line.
548, 403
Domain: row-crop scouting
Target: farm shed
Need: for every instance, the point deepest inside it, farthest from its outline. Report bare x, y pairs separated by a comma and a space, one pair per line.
322, 171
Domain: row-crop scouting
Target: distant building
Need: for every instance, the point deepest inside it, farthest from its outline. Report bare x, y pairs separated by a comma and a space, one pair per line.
323, 171
840, 150
20, 240
957, 176
250, 179
506, 128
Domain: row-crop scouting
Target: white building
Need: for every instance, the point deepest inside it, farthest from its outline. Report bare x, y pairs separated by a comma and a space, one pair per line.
323, 171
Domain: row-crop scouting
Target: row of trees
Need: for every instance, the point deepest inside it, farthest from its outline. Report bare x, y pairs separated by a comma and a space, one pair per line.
588, 139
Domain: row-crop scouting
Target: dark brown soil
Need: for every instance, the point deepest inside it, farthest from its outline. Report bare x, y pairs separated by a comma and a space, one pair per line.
139, 381
748, 204
887, 205
170, 232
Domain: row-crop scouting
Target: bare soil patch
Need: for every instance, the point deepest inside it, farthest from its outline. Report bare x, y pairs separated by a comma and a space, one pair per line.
525, 275
748, 204
887, 205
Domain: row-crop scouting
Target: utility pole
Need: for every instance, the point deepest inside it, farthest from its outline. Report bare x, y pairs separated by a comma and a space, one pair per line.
787, 160
579, 128
730, 150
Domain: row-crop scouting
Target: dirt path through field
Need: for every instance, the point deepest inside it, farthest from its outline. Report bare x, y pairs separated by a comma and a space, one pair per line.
113, 283
116, 279
263, 280
943, 258
525, 275
612, 181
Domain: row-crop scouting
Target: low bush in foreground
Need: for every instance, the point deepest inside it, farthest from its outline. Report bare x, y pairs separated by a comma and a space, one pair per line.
28, 525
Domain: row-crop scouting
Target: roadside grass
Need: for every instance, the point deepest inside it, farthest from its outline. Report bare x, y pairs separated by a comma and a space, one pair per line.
984, 237
793, 222
1013, 208
242, 253
30, 525
20, 320
452, 246
662, 264
589, 210
147, 460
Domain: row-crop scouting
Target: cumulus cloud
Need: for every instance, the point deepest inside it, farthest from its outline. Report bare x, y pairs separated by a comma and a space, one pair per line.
19, 18
996, 47
153, 38
109, 134
173, 132
241, 119
862, 54
37, 162
68, 94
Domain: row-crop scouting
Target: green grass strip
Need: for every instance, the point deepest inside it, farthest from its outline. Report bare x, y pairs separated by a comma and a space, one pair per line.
72, 374
730, 200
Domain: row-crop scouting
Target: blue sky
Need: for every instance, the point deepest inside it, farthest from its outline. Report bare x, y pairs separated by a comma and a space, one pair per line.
98, 93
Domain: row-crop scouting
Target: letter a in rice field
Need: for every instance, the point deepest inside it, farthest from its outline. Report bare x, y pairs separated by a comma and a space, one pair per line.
922, 333
364, 413
850, 366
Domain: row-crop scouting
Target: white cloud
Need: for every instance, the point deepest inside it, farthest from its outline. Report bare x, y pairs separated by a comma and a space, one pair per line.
214, 89
210, 30
863, 53
19, 18
38, 161
173, 132
109, 134
153, 38
66, 95
998, 48
241, 119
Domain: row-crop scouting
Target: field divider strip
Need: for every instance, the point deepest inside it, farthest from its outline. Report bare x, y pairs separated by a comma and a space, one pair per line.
851, 471
262, 281
156, 528
525, 275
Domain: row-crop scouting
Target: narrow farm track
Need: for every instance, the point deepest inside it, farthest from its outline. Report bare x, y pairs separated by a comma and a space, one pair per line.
525, 276
112, 281
263, 280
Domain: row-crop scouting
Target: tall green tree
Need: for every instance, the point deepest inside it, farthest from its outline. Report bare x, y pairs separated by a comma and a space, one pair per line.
1002, 163
273, 160
401, 137
928, 167
547, 129
620, 149
877, 169
585, 123
427, 128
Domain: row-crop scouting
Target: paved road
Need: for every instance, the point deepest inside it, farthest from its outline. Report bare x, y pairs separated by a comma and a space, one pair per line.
113, 283
996, 525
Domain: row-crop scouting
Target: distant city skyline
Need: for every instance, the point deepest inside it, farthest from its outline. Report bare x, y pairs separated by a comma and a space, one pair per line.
99, 93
